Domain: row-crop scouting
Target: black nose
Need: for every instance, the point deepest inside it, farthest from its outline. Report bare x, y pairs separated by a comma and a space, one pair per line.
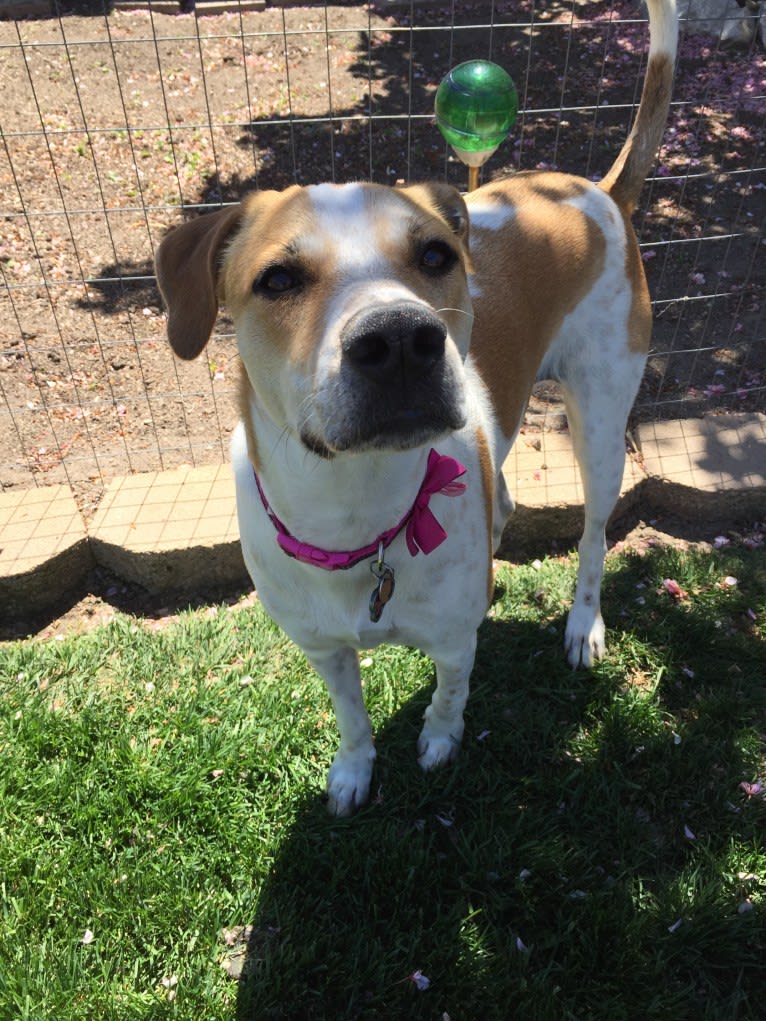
404, 341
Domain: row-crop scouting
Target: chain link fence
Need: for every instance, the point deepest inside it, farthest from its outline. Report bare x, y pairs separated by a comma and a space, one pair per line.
117, 121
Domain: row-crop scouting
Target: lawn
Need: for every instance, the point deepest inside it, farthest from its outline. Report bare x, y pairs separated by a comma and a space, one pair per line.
597, 851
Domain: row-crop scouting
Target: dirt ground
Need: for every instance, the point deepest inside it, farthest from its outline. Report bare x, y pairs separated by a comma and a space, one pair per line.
116, 127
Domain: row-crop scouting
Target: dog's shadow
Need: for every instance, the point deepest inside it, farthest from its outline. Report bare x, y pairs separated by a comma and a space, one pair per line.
505, 880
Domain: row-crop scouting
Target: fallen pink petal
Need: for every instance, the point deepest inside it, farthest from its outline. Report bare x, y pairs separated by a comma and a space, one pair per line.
689, 834
673, 589
751, 789
521, 946
675, 926
419, 980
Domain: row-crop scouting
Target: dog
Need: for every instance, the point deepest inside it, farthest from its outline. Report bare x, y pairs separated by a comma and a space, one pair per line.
389, 339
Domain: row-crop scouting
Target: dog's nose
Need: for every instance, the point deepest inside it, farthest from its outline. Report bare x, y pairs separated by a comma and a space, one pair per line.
404, 341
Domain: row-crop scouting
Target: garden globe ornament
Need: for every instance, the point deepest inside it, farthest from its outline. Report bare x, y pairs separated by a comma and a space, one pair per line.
476, 106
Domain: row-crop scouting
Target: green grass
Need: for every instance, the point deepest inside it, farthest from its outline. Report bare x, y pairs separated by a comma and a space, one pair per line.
589, 857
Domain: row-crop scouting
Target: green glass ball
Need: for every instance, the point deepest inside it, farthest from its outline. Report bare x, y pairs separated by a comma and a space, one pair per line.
476, 105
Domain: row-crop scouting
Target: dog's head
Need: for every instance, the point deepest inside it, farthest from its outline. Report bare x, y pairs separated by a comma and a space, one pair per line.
350, 304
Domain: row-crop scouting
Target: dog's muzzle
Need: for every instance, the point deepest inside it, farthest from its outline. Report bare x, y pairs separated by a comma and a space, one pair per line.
397, 345
399, 383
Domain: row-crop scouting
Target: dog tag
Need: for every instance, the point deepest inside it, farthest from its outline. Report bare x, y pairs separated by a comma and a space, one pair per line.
382, 591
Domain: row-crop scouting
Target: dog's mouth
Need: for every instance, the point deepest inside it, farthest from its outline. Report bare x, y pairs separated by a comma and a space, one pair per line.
366, 427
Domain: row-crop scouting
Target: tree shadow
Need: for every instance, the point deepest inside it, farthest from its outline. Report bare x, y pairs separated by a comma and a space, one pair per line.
390, 132
578, 83
121, 287
541, 876
738, 455
83, 8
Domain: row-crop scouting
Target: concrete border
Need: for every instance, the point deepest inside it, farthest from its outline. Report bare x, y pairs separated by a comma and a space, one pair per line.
176, 531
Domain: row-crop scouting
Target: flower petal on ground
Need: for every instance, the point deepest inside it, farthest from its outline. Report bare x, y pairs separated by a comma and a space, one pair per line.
673, 589
751, 789
419, 980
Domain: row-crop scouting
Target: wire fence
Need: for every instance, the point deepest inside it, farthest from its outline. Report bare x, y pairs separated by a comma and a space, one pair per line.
115, 124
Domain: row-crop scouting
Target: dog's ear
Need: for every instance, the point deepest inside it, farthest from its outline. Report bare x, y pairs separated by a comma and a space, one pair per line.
187, 266
447, 203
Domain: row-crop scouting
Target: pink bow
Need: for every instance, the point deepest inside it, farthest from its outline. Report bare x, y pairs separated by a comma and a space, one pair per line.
424, 533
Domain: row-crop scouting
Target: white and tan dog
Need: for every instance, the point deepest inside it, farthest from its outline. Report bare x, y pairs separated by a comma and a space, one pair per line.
387, 365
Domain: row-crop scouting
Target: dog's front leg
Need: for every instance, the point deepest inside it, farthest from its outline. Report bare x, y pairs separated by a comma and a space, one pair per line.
442, 731
348, 782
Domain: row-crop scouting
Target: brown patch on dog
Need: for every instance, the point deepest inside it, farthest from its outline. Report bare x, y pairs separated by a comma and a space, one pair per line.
625, 179
274, 230
540, 265
244, 396
640, 315
487, 471
444, 201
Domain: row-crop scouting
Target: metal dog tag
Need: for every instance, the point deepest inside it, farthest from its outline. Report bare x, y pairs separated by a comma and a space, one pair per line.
382, 591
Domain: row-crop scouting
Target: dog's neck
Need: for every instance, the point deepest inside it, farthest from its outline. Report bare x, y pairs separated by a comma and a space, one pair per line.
335, 503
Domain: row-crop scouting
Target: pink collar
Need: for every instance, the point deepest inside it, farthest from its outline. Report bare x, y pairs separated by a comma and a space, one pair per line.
423, 530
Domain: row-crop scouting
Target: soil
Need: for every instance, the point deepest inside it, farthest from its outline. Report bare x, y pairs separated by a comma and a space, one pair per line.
117, 127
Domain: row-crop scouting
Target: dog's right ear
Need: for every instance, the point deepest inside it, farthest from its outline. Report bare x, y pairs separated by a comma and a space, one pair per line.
187, 266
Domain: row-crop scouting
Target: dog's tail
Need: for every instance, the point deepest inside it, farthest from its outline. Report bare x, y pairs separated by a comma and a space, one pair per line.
625, 179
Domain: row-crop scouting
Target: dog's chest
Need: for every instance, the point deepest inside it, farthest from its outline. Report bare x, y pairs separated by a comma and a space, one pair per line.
433, 595
428, 597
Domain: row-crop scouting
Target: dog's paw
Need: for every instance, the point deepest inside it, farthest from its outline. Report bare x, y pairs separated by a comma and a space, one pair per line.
438, 743
584, 639
348, 782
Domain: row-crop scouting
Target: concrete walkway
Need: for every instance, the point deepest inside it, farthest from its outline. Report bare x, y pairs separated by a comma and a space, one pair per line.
177, 530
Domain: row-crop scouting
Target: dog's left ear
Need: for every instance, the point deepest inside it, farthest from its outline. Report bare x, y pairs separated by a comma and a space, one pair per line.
447, 202
187, 266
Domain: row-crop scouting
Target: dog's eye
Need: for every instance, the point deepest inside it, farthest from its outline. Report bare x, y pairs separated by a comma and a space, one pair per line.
276, 280
437, 257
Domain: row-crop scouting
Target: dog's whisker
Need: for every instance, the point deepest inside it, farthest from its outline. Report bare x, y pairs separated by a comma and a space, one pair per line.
462, 310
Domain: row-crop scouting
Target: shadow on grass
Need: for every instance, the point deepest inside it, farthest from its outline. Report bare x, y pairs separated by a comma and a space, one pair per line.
578, 860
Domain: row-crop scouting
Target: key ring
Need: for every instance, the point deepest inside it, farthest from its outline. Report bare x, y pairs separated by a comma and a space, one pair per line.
378, 565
